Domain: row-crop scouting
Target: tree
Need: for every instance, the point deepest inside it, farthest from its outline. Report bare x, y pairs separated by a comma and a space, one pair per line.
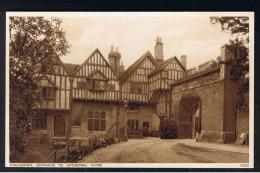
238, 27
33, 40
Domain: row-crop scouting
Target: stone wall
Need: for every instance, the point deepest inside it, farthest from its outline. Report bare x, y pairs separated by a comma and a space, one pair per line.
210, 90
79, 114
50, 124
143, 114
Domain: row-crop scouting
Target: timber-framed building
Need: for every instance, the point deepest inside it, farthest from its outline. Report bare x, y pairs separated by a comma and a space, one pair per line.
99, 96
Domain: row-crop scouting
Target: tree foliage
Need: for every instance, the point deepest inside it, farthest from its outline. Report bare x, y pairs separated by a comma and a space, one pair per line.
33, 40
239, 27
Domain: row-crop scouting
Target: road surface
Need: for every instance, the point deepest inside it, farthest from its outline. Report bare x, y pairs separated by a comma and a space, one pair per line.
155, 150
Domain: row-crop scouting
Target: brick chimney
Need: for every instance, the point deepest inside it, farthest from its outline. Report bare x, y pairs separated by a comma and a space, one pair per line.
158, 49
114, 59
184, 61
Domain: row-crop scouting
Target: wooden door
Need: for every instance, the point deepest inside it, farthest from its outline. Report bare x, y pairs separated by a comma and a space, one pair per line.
185, 123
59, 125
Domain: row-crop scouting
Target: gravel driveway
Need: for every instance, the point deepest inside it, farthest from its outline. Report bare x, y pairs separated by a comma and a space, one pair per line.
155, 150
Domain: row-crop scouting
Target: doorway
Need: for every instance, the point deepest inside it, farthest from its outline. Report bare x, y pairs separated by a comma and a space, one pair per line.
146, 128
59, 125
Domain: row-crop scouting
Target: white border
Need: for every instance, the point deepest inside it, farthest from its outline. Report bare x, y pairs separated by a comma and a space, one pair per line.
138, 165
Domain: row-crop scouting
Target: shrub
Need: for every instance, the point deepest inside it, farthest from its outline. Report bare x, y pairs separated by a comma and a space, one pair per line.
74, 156
168, 129
86, 150
110, 140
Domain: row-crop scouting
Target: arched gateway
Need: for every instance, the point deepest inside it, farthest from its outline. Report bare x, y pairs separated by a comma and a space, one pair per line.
189, 116
204, 102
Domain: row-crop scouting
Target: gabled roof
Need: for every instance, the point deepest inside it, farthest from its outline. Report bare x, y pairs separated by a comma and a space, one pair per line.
71, 68
46, 77
94, 72
60, 63
132, 67
163, 64
95, 51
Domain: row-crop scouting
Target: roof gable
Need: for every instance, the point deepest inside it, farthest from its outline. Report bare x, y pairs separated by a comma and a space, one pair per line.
91, 60
43, 80
97, 75
135, 65
164, 64
71, 68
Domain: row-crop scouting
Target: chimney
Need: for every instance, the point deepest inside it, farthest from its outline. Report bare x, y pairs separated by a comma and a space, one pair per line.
158, 49
114, 59
184, 61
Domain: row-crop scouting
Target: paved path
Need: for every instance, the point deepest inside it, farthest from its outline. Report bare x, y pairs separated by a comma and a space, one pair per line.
155, 150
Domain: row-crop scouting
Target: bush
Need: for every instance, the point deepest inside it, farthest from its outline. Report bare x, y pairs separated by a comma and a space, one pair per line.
74, 156
168, 129
86, 150
110, 141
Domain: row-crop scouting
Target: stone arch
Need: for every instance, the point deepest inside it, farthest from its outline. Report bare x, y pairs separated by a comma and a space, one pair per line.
189, 115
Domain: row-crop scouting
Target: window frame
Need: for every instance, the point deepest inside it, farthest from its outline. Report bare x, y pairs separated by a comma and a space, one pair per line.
41, 120
97, 121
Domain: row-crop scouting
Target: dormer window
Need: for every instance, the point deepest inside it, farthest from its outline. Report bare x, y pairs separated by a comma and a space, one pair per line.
100, 85
97, 81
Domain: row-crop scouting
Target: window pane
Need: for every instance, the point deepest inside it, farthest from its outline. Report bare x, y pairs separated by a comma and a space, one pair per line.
103, 115
97, 116
96, 125
136, 125
102, 125
44, 92
39, 121
90, 124
129, 123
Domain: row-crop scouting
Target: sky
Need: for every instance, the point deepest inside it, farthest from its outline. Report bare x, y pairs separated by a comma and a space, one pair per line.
135, 33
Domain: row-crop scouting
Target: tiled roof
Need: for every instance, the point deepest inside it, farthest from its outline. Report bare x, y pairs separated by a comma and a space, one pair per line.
164, 64
71, 68
195, 76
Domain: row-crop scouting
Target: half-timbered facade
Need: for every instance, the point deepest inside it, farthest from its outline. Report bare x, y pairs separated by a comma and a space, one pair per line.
159, 85
98, 96
95, 94
54, 83
90, 98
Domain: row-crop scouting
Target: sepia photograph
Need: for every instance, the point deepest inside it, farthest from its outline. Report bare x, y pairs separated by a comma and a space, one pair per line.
130, 89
